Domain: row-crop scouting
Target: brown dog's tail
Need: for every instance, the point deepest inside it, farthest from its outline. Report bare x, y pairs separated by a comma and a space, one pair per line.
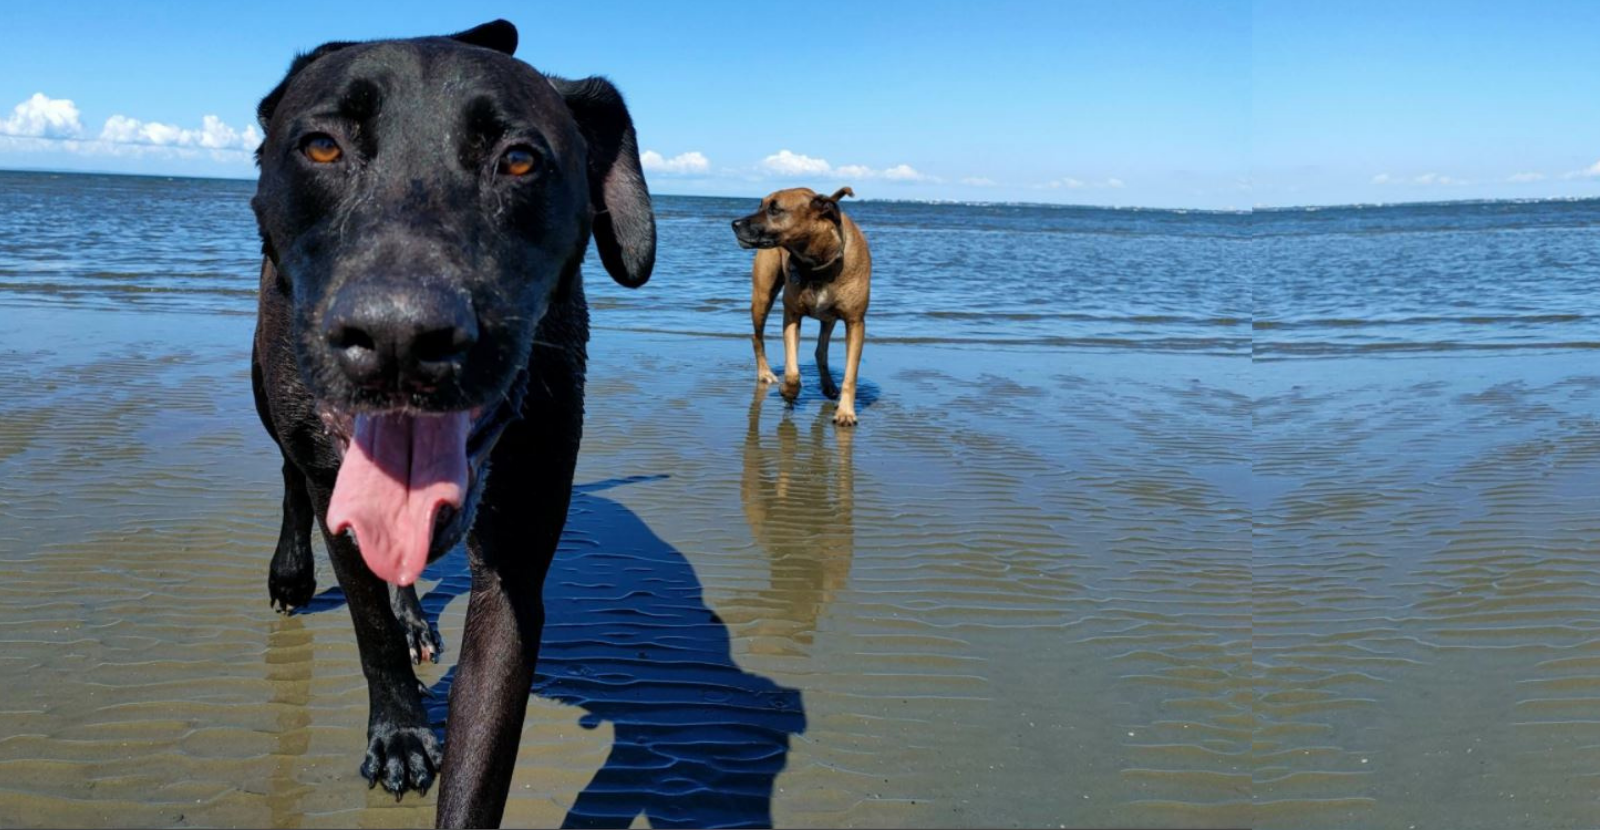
841, 193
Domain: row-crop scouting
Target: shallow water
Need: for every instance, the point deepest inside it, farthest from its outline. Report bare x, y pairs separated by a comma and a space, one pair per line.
1084, 563
1030, 606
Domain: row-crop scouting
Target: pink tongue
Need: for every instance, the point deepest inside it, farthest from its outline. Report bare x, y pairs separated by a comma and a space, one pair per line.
398, 471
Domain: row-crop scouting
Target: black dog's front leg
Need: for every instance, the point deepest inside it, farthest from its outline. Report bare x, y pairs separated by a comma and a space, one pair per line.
402, 752
292, 576
489, 696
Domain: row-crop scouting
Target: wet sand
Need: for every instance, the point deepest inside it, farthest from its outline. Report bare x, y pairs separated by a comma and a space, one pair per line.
1427, 615
1018, 594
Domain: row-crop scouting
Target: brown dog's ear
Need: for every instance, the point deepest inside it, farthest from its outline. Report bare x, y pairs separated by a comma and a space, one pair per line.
269, 104
829, 205
498, 35
624, 221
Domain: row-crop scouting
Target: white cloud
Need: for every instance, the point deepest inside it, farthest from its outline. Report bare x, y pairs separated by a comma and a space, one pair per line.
1592, 171
1070, 183
43, 117
978, 181
45, 124
681, 164
212, 135
790, 164
785, 163
1523, 178
1426, 180
903, 173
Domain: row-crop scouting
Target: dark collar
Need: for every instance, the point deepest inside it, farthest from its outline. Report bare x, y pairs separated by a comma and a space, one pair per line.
843, 240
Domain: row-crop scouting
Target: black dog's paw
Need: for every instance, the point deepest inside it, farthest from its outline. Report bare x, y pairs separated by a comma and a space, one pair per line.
422, 640
291, 588
401, 758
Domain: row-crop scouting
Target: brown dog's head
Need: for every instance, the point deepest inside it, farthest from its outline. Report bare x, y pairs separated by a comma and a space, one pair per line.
790, 217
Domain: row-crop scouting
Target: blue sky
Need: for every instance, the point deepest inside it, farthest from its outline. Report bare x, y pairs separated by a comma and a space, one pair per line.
1179, 104
1405, 100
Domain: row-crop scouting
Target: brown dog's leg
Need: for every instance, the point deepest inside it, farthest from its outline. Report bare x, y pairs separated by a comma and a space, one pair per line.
791, 354
829, 388
855, 336
766, 281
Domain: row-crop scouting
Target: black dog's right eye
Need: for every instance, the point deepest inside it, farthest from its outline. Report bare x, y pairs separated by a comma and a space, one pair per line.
321, 148
518, 161
774, 209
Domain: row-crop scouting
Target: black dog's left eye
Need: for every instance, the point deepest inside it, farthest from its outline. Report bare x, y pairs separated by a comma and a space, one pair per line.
518, 161
321, 148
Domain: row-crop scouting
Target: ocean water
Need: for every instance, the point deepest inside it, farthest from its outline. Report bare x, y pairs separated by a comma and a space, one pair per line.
1154, 518
1482, 277
983, 274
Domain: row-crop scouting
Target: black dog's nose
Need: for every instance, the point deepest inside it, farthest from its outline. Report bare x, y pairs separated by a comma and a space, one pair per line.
405, 339
738, 223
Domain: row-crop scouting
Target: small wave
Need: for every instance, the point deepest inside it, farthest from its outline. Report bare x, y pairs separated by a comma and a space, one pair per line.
1219, 346
1070, 316
1290, 351
1355, 322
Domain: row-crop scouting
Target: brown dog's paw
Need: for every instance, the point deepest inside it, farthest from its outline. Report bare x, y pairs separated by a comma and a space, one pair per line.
766, 377
790, 389
844, 418
401, 758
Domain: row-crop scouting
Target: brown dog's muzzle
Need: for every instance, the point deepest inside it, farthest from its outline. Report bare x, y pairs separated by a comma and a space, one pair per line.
751, 235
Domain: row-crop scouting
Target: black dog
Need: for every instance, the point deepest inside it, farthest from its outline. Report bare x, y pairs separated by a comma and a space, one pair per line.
424, 208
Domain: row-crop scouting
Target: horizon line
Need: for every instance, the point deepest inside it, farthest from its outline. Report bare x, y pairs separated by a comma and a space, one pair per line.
1007, 202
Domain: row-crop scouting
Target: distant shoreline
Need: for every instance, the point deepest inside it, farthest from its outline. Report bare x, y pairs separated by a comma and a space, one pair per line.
1056, 205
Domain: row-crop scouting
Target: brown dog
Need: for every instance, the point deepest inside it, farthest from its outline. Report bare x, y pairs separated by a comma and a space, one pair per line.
810, 249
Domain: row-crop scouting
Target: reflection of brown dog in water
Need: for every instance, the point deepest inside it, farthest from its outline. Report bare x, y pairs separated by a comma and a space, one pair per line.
811, 250
799, 500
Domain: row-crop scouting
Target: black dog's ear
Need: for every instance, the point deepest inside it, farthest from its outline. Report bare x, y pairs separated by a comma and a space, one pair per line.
498, 35
624, 222
269, 104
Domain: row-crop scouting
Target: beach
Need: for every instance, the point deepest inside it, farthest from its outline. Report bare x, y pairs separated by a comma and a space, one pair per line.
1170, 543
1014, 596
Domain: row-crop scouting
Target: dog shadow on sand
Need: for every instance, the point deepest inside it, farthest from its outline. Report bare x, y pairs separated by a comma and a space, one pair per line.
698, 741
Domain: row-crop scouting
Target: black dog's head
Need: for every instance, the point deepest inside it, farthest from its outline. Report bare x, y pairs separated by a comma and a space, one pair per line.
423, 203
790, 217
